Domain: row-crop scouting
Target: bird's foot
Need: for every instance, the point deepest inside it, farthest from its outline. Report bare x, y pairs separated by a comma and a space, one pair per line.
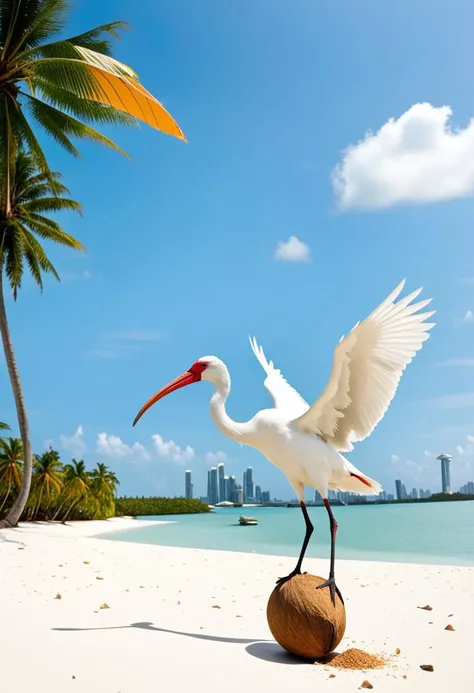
333, 588
282, 580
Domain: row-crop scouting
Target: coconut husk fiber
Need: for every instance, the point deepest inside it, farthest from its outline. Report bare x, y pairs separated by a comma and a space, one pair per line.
303, 619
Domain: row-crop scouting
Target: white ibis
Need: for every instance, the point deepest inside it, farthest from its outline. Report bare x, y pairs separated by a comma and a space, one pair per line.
305, 441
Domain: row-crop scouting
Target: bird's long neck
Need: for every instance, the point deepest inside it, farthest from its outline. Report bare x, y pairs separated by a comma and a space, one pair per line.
234, 430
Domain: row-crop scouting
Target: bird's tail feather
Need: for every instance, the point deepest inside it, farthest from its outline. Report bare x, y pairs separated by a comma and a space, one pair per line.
356, 482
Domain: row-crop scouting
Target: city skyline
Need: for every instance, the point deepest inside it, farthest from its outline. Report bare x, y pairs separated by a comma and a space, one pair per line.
221, 487
225, 488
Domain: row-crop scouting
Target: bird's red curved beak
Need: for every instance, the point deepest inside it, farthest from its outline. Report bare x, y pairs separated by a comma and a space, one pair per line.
184, 379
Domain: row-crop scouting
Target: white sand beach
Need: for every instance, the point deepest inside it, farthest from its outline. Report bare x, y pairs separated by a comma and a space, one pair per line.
192, 620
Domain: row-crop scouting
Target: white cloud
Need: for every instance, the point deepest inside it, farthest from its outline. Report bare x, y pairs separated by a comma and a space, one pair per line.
417, 157
114, 447
406, 467
214, 458
74, 444
459, 401
467, 361
468, 317
170, 450
292, 250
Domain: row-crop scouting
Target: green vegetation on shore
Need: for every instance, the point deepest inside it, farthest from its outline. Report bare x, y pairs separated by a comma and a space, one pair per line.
159, 506
58, 491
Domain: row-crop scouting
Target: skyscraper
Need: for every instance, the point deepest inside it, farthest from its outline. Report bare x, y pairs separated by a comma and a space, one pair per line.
398, 489
248, 484
188, 486
220, 473
213, 493
445, 472
232, 485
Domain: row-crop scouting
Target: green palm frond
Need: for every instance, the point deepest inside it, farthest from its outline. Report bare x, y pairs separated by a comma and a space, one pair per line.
53, 204
36, 21
59, 125
23, 128
13, 255
97, 40
51, 231
4, 426
33, 195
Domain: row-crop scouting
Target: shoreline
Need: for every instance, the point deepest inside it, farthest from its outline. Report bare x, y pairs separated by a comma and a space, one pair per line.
196, 617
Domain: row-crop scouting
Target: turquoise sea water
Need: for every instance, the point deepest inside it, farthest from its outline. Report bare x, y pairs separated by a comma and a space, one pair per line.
439, 533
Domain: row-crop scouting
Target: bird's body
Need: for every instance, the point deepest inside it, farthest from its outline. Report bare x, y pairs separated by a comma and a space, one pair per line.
306, 441
305, 459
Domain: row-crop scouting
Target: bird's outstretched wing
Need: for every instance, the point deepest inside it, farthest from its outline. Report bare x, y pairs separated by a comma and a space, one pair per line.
367, 367
285, 397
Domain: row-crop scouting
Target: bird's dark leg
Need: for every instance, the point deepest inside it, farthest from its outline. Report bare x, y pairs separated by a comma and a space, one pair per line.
331, 581
307, 537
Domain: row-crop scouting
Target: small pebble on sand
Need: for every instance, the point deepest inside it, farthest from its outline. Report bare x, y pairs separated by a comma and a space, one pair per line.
397, 651
427, 607
449, 627
104, 606
216, 606
366, 684
427, 667
58, 596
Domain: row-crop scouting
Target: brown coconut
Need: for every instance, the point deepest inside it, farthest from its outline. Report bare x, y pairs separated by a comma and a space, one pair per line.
303, 619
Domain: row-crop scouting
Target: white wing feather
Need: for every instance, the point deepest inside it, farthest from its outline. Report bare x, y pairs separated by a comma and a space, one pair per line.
367, 367
285, 397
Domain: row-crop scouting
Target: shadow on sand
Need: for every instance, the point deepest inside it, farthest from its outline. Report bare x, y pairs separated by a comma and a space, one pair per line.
267, 650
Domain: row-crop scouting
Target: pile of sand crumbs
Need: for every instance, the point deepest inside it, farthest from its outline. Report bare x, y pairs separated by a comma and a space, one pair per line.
356, 659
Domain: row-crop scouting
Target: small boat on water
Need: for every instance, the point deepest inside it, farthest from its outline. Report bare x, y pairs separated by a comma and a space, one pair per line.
247, 520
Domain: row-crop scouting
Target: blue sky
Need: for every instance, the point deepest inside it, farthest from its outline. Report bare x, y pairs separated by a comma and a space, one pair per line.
182, 238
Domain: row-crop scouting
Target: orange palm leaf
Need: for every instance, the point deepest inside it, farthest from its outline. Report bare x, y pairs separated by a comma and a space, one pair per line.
127, 95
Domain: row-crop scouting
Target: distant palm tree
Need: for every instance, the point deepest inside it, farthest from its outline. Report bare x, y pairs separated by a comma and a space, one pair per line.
77, 486
33, 197
47, 480
103, 487
11, 467
103, 479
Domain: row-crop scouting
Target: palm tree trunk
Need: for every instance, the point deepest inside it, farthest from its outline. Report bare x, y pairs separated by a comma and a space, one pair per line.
7, 495
16, 510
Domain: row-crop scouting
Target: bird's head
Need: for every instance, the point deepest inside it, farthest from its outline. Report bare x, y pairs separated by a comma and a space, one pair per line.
206, 368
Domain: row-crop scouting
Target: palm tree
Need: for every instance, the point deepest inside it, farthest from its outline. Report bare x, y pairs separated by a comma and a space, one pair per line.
47, 480
34, 194
60, 86
103, 487
76, 488
103, 480
4, 426
11, 466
